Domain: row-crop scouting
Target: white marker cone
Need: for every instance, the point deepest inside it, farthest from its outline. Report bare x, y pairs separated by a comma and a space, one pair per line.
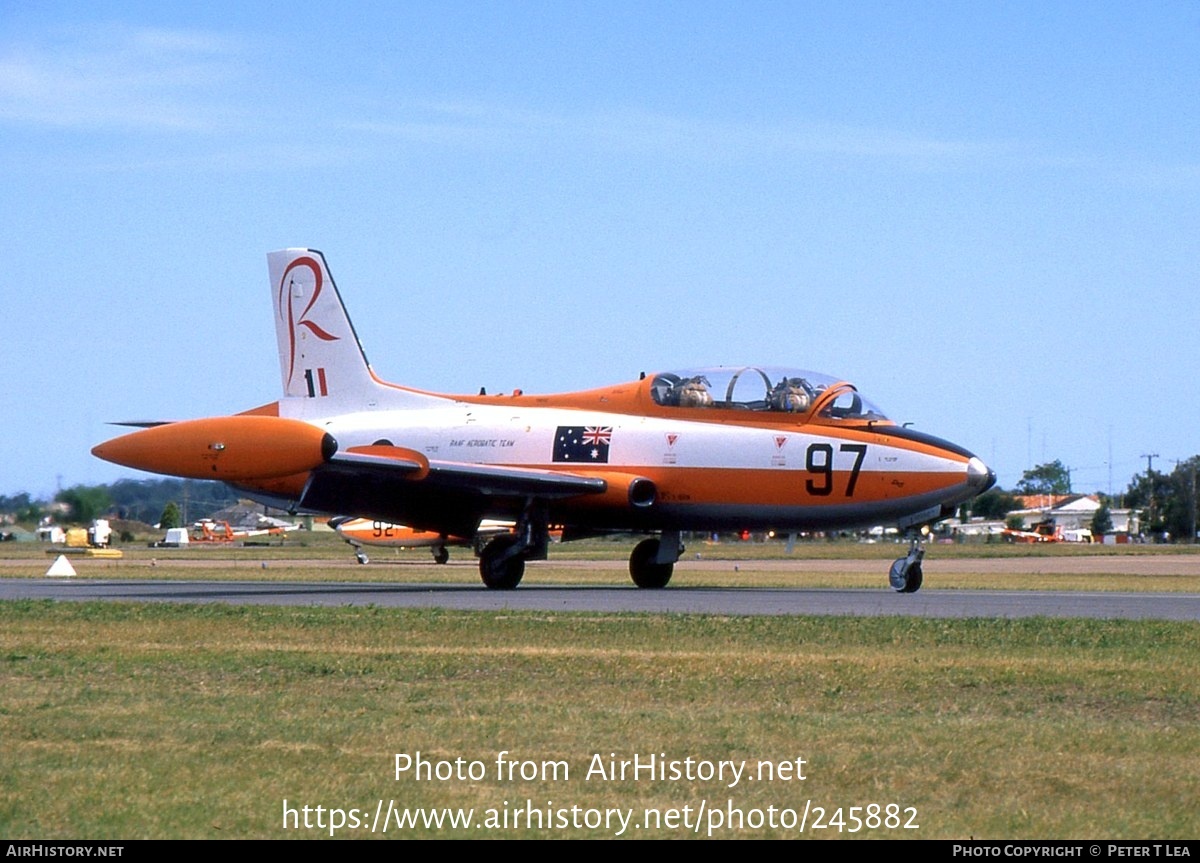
61, 566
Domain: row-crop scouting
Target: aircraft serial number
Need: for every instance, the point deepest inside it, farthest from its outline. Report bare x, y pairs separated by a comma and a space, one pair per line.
819, 462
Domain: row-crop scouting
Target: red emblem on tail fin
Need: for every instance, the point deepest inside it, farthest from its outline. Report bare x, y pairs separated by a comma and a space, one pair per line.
301, 320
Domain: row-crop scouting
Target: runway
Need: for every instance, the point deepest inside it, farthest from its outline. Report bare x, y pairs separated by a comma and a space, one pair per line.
602, 599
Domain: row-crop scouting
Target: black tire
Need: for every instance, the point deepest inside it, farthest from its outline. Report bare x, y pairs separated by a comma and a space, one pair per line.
644, 571
498, 574
913, 579
906, 577
441, 555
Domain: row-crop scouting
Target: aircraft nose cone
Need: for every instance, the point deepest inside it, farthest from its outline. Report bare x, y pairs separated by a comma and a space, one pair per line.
980, 477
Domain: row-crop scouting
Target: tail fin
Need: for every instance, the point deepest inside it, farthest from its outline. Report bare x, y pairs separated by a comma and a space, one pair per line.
319, 352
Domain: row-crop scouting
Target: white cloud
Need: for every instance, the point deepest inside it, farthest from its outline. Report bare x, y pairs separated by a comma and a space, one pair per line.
631, 130
120, 78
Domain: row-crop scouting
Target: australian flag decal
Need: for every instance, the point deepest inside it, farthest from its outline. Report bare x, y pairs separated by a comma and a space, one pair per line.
582, 444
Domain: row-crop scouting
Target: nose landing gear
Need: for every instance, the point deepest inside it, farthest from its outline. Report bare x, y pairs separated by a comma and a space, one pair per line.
906, 575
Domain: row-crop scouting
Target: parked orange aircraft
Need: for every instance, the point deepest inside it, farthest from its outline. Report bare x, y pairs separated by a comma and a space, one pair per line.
1042, 531
361, 532
729, 448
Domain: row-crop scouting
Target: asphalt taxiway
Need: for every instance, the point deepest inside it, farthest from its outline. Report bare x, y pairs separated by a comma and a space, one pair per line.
677, 600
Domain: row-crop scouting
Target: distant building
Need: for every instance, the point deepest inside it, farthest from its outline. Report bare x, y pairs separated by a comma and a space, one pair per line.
973, 528
1071, 512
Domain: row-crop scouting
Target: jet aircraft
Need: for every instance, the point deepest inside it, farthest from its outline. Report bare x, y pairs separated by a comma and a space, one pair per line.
361, 532
705, 449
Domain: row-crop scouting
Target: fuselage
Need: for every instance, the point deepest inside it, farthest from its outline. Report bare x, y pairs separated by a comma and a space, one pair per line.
711, 467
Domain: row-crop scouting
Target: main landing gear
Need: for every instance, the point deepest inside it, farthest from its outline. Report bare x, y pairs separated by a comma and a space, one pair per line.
653, 560
502, 561
906, 575
501, 564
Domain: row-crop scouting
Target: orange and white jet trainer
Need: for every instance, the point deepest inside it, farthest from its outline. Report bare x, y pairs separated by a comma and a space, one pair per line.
717, 449
360, 532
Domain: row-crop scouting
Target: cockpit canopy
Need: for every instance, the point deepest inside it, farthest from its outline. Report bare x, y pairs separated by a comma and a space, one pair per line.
751, 388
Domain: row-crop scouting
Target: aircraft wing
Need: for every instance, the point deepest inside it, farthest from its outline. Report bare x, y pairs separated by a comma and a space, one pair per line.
405, 488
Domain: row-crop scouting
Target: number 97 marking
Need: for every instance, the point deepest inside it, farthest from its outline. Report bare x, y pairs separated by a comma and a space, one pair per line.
819, 461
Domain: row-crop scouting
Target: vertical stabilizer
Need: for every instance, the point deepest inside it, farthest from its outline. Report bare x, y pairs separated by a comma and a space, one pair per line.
319, 353
321, 361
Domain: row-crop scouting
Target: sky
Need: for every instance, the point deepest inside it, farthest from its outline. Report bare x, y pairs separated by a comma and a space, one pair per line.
985, 215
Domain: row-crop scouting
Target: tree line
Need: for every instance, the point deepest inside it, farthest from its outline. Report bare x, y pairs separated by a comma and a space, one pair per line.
144, 500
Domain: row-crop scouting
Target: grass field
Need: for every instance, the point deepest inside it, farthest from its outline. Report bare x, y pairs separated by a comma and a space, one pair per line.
128, 721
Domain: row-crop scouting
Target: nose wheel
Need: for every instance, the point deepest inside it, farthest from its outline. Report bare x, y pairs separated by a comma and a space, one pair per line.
906, 575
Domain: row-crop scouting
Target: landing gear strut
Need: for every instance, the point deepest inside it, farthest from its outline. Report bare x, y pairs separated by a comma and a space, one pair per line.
906, 575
